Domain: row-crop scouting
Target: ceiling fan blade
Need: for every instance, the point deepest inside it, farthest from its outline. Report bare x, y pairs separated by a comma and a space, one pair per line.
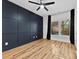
34, 2
49, 3
38, 8
45, 8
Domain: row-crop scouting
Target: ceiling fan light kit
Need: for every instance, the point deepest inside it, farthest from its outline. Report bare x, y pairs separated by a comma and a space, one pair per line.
42, 5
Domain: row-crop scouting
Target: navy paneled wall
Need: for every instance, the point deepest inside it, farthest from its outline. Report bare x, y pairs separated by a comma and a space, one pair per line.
19, 26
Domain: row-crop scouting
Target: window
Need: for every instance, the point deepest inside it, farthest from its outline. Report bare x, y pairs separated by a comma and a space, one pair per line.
65, 27
55, 28
62, 27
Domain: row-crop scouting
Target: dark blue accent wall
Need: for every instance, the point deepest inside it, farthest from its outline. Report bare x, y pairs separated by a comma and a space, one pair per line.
19, 26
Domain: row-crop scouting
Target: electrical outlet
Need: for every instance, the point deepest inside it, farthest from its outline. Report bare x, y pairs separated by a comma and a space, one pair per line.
33, 37
36, 37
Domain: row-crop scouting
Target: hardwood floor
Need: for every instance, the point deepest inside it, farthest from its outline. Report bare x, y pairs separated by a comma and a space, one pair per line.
42, 49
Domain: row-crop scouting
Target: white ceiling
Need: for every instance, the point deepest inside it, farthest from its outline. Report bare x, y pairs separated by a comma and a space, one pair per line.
59, 6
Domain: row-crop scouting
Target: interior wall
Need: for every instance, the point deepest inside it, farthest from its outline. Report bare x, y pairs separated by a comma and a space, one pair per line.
75, 24
19, 26
45, 26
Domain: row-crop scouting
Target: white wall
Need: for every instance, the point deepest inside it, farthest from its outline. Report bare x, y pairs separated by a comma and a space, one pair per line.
75, 27
45, 25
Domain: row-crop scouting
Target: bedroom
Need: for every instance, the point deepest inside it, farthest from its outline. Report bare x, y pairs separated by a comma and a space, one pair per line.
37, 26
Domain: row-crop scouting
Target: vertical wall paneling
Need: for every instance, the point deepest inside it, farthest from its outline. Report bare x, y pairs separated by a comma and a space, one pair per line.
23, 26
9, 25
19, 26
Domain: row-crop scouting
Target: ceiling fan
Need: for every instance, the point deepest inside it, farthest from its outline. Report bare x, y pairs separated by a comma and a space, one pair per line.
42, 5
